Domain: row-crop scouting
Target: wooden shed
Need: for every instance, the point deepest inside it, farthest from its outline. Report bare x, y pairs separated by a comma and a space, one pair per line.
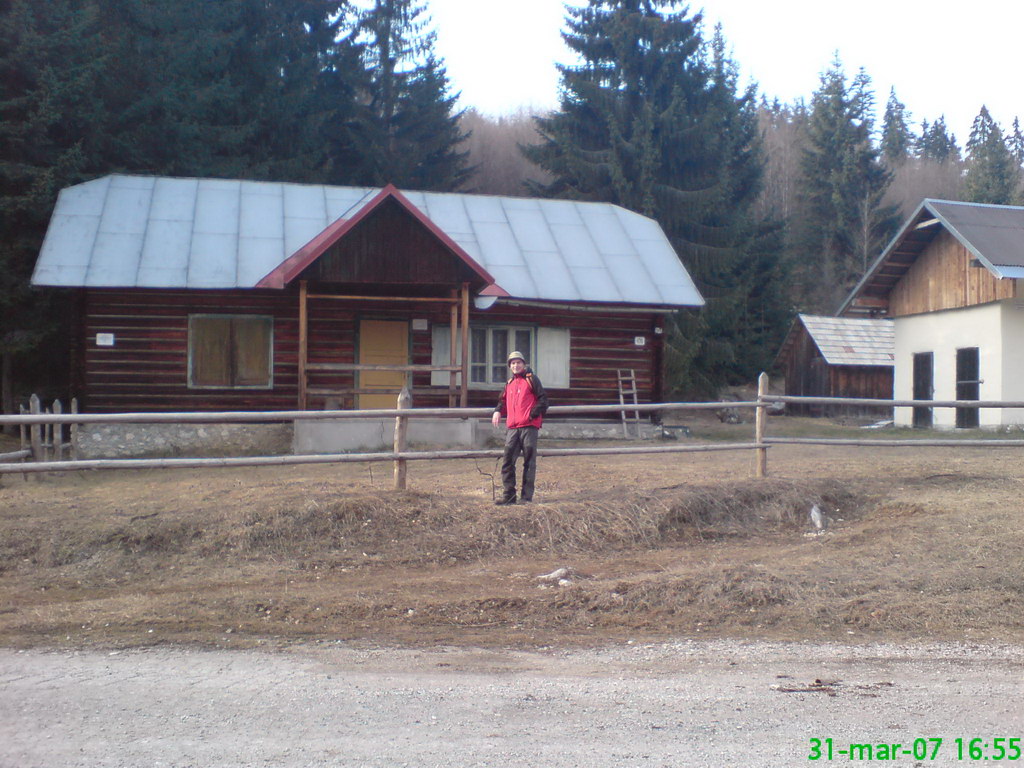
838, 357
210, 294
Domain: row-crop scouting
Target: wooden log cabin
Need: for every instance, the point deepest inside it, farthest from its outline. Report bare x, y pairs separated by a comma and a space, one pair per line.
838, 357
951, 282
209, 294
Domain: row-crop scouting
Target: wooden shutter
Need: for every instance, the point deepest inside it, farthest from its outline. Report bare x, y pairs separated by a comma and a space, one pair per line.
210, 351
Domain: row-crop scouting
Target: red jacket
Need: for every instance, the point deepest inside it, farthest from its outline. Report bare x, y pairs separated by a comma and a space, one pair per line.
523, 401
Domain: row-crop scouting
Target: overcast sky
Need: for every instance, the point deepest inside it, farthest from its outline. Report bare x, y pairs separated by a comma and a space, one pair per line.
943, 56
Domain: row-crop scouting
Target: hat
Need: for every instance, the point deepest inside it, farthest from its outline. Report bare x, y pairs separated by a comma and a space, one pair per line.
516, 356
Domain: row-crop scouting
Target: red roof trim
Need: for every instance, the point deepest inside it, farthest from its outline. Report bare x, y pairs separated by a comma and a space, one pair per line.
291, 267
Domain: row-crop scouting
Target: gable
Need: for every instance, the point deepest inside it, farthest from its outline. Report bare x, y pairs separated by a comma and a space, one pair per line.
946, 276
946, 255
391, 247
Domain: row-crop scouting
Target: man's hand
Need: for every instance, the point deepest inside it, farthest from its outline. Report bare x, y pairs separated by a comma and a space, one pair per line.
496, 418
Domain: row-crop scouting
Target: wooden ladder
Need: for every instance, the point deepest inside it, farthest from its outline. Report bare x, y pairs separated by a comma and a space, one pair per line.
627, 389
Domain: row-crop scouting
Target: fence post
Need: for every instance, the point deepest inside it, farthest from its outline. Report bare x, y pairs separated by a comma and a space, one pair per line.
401, 441
760, 417
74, 431
35, 430
58, 433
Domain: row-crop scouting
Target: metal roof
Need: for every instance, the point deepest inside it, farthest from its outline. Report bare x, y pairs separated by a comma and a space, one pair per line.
124, 231
848, 340
993, 234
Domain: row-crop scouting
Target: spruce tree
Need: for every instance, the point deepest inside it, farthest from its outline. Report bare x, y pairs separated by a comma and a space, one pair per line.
897, 140
992, 174
405, 129
653, 120
937, 143
52, 58
843, 183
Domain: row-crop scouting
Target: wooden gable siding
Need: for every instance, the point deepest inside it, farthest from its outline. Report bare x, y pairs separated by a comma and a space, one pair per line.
147, 367
390, 247
809, 375
942, 278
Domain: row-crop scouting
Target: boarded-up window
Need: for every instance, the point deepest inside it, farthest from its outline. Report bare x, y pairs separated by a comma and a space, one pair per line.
233, 351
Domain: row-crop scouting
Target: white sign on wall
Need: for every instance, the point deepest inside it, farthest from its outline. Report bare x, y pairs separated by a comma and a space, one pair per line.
104, 339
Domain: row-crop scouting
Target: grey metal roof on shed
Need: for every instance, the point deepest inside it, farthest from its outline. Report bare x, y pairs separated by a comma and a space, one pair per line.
124, 231
852, 340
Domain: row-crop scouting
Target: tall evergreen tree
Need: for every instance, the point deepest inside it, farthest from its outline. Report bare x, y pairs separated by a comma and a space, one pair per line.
843, 183
937, 143
992, 174
52, 58
897, 140
652, 120
406, 130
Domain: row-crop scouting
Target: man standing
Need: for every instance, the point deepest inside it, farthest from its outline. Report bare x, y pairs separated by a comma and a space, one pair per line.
523, 402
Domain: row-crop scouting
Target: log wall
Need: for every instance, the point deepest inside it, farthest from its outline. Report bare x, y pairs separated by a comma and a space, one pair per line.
147, 368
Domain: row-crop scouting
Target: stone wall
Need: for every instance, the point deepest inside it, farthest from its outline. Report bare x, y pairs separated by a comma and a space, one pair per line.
118, 441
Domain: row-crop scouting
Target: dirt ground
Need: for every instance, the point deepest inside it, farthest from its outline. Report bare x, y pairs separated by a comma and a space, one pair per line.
921, 544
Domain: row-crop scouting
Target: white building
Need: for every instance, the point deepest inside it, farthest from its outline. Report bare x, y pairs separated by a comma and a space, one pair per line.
951, 280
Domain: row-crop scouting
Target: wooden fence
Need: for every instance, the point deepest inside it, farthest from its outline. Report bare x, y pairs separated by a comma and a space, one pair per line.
46, 447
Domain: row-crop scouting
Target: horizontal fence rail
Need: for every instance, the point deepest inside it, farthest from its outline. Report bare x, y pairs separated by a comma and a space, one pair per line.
208, 417
764, 406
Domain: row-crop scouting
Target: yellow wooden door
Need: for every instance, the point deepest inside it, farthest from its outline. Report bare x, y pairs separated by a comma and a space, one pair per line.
382, 342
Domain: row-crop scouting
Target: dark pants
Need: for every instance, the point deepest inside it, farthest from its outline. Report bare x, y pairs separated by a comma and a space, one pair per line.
519, 441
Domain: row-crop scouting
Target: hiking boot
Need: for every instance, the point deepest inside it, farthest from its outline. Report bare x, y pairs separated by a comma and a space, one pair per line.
526, 500
505, 500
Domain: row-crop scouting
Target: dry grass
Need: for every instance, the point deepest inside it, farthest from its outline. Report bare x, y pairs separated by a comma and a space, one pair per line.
924, 543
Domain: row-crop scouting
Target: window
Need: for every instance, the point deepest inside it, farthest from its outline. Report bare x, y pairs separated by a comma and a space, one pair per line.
489, 349
230, 351
547, 350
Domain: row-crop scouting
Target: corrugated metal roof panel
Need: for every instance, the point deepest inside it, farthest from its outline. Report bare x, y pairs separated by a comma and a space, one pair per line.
123, 231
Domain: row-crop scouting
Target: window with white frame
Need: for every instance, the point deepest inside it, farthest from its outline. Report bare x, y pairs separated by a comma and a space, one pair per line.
489, 348
546, 349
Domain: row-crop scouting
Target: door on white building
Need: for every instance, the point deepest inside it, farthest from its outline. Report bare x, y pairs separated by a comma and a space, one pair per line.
923, 387
967, 385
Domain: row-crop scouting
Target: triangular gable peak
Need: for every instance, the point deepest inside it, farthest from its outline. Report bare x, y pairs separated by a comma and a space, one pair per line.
386, 241
982, 244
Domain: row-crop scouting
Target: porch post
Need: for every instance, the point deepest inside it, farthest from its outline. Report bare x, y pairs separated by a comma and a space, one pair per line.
303, 343
464, 394
452, 336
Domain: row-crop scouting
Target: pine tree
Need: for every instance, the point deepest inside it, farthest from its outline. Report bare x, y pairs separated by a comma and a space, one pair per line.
992, 174
897, 139
407, 130
653, 120
843, 183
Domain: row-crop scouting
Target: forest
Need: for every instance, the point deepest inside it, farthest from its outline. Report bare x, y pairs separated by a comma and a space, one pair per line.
774, 208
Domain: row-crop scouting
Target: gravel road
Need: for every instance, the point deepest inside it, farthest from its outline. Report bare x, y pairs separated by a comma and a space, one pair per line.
690, 703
